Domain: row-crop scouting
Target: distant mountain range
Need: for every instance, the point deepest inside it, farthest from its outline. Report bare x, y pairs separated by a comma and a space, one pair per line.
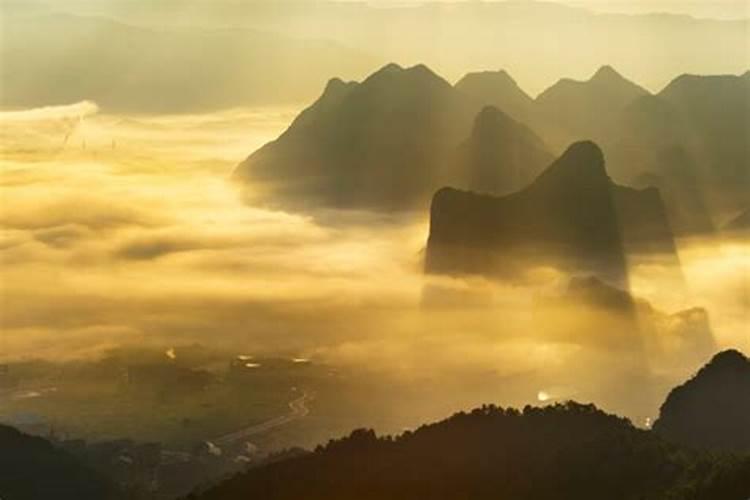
500, 156
536, 41
693, 135
562, 451
54, 58
572, 217
691, 139
390, 142
586, 109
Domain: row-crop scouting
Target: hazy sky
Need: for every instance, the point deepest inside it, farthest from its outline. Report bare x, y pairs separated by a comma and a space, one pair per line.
119, 229
721, 9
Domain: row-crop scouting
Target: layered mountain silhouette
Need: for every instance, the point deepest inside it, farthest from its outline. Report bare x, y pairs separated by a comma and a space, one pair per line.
572, 216
388, 143
289, 48
499, 89
375, 144
562, 451
711, 410
588, 109
135, 69
693, 136
690, 140
31, 468
501, 155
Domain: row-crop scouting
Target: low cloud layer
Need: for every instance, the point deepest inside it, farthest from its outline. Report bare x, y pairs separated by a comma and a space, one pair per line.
130, 232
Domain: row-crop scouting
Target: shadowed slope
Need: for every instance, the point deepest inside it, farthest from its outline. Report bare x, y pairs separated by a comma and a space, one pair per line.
500, 156
376, 144
576, 110
388, 143
711, 410
572, 216
694, 136
31, 468
61, 59
499, 89
563, 451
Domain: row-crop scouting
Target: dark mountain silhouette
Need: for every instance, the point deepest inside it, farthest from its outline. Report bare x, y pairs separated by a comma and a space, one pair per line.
382, 144
576, 110
562, 451
500, 156
499, 89
31, 468
370, 145
572, 216
718, 109
711, 410
693, 135
388, 142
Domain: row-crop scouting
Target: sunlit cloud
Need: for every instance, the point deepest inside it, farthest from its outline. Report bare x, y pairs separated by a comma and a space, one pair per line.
77, 111
141, 239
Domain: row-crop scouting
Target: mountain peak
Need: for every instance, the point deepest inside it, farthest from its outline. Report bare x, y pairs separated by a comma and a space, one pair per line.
334, 84
583, 157
584, 151
418, 74
499, 89
490, 118
394, 68
501, 155
335, 88
730, 359
605, 73
712, 409
390, 68
581, 164
499, 77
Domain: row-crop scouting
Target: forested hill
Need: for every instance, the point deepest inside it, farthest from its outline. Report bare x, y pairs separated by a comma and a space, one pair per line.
563, 451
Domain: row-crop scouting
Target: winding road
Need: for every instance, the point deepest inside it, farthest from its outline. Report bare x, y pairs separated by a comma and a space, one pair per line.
297, 409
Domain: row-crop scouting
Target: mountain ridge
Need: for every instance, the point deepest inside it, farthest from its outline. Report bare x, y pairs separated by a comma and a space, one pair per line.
386, 144
571, 215
564, 450
712, 409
